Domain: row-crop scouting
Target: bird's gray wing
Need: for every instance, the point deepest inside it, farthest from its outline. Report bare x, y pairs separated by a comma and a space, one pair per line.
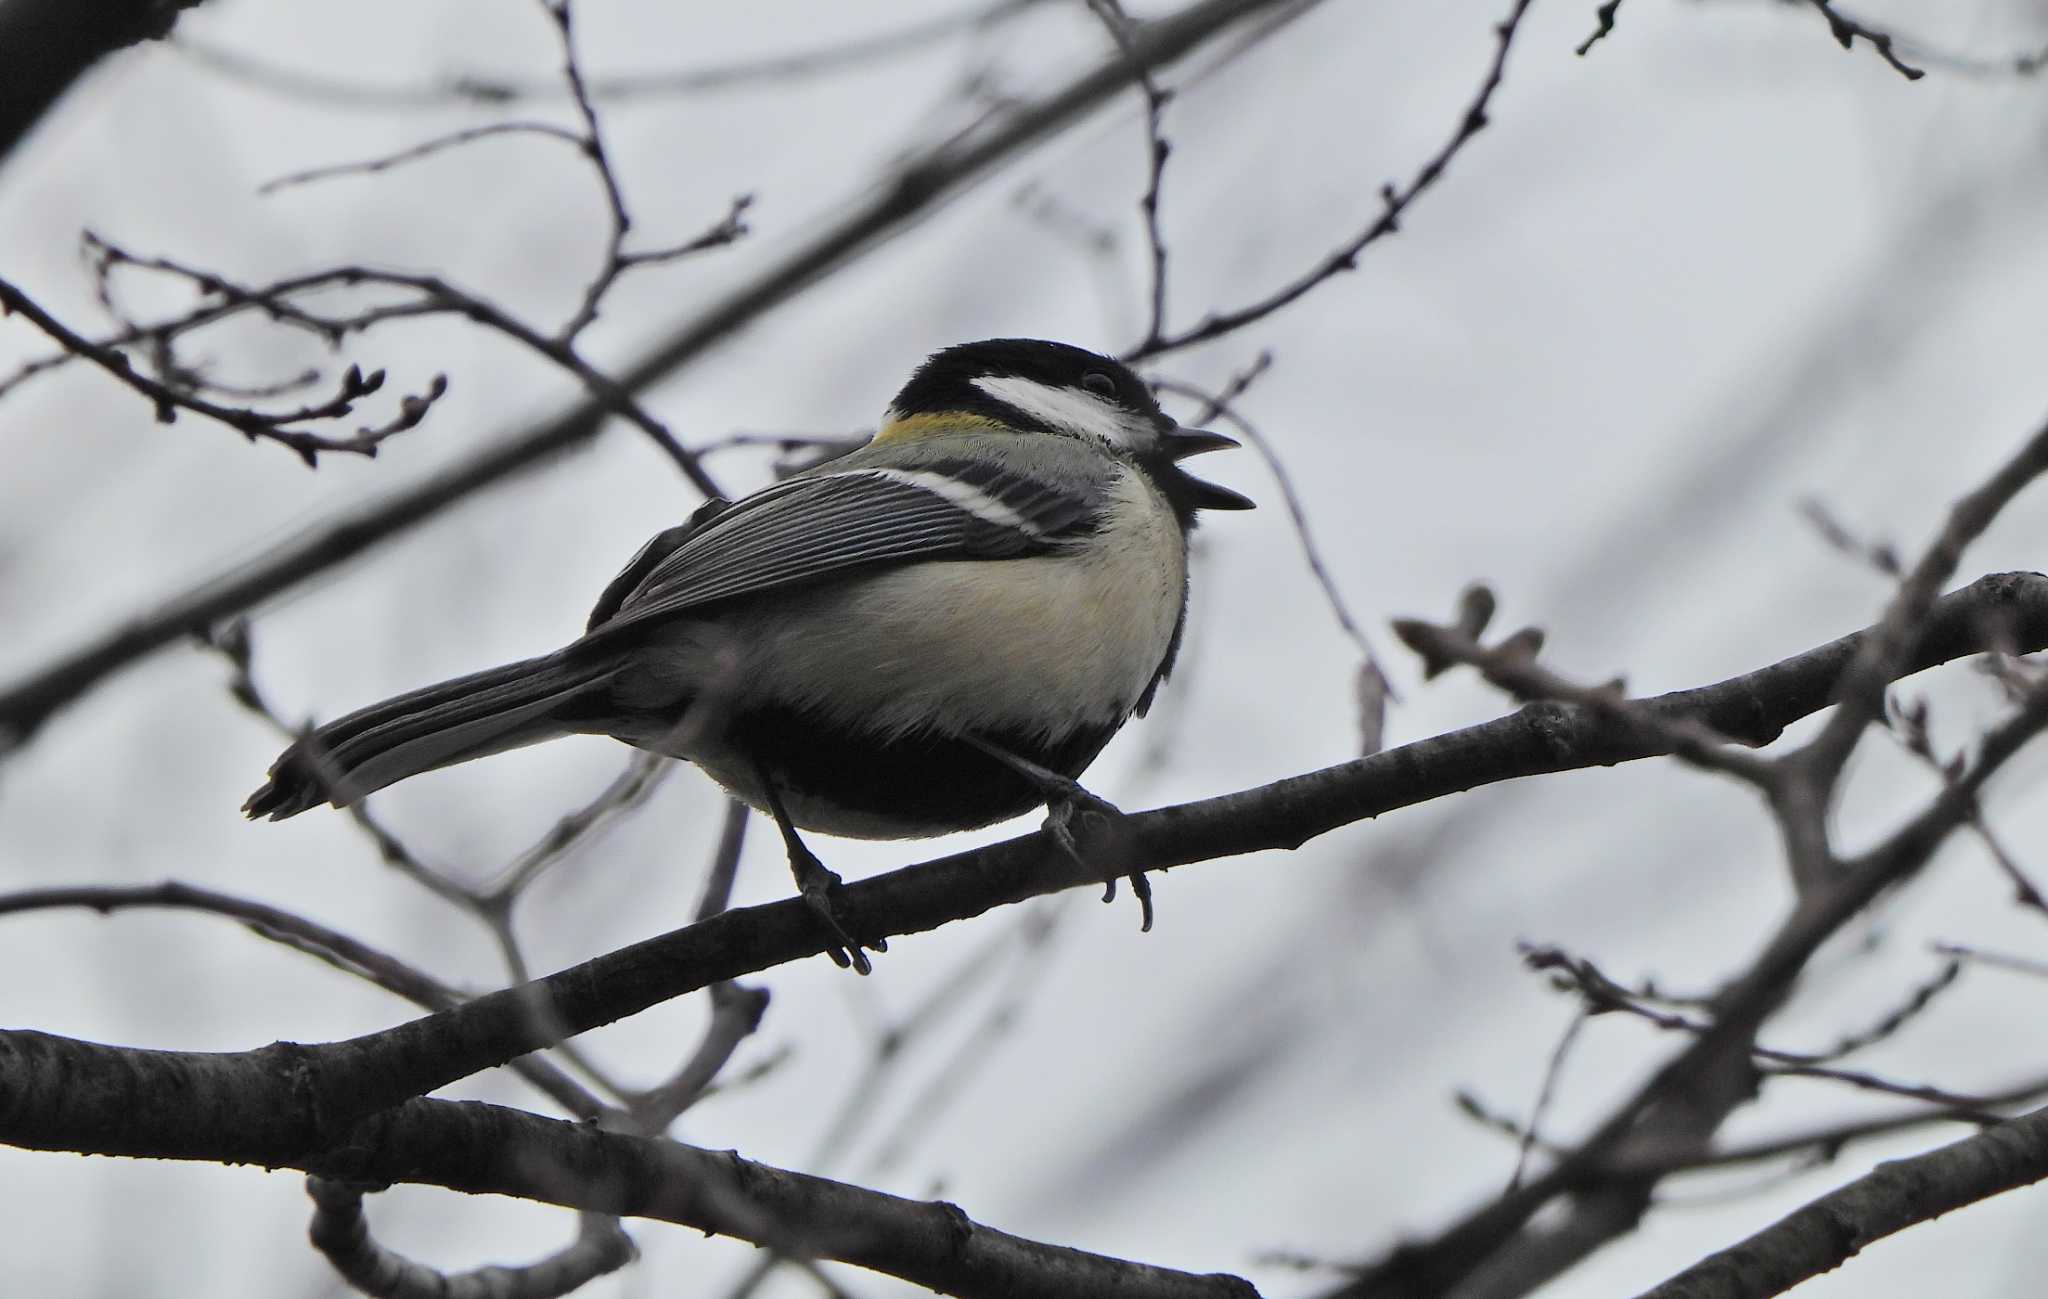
803, 529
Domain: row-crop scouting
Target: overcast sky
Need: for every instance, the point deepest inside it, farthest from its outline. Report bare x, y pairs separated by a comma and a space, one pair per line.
1713, 269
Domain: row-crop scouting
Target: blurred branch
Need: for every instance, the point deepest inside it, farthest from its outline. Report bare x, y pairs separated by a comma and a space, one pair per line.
45, 45
1604, 17
425, 149
2025, 63
1828, 1141
479, 88
342, 1234
914, 191
1893, 1196
638, 779
349, 955
1846, 29
1602, 995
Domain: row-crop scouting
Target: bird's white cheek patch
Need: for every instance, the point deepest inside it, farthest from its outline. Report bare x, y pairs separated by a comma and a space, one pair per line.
1063, 408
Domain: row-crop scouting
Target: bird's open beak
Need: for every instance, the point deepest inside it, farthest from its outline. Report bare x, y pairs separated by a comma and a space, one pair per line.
1181, 443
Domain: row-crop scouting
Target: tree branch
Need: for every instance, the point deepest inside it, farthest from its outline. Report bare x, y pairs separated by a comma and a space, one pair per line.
1893, 1196
307, 1097
50, 1086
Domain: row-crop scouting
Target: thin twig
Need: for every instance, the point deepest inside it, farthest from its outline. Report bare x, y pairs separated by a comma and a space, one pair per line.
342, 1234
1394, 202
308, 937
1545, 1094
268, 426
414, 153
1846, 29
1157, 149
1604, 16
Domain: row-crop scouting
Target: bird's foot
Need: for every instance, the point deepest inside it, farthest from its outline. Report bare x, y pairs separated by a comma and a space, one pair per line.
1108, 836
820, 888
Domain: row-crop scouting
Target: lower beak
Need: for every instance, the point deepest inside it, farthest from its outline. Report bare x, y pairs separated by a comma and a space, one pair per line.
1181, 443
1209, 496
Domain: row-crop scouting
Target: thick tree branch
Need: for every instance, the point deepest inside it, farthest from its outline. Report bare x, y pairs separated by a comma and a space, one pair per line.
917, 189
54, 1085
304, 1098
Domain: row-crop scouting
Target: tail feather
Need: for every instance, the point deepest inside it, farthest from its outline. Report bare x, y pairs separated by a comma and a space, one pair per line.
469, 717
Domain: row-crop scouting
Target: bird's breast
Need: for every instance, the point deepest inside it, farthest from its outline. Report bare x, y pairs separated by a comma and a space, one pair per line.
1046, 644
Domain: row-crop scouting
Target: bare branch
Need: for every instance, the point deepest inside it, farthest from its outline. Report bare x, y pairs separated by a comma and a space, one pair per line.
342, 1234
287, 301
1394, 203
349, 955
1157, 149
1863, 685
1846, 30
474, 1147
1893, 1196
480, 88
424, 149
1604, 16
1511, 664
269, 426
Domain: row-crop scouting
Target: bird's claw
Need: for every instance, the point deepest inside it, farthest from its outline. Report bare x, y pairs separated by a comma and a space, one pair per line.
819, 886
1110, 836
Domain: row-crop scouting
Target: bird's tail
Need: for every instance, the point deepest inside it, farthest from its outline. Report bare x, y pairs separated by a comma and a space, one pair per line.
469, 717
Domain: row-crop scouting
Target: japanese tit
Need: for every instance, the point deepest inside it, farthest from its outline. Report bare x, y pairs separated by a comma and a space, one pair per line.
935, 632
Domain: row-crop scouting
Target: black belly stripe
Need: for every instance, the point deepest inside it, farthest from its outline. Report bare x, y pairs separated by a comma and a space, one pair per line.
934, 780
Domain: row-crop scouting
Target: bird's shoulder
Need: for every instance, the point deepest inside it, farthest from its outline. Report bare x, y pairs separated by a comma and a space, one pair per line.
659, 547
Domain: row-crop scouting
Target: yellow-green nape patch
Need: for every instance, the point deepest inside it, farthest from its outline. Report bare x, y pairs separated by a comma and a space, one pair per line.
927, 423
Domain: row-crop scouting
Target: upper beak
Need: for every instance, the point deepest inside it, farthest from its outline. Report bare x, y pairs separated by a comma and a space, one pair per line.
1184, 442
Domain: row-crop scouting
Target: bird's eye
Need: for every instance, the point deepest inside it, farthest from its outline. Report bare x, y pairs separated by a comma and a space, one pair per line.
1100, 383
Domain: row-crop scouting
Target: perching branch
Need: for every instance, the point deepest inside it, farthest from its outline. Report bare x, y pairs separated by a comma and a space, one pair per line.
307, 1097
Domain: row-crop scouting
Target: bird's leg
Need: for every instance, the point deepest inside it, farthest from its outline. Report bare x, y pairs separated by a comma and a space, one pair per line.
1065, 801
815, 883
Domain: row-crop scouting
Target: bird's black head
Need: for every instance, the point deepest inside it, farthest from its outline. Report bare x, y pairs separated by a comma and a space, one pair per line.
1035, 386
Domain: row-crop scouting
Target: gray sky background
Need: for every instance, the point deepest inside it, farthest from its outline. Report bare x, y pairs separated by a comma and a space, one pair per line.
1713, 268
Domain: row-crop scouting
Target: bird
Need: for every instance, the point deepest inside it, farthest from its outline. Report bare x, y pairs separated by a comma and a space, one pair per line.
935, 632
